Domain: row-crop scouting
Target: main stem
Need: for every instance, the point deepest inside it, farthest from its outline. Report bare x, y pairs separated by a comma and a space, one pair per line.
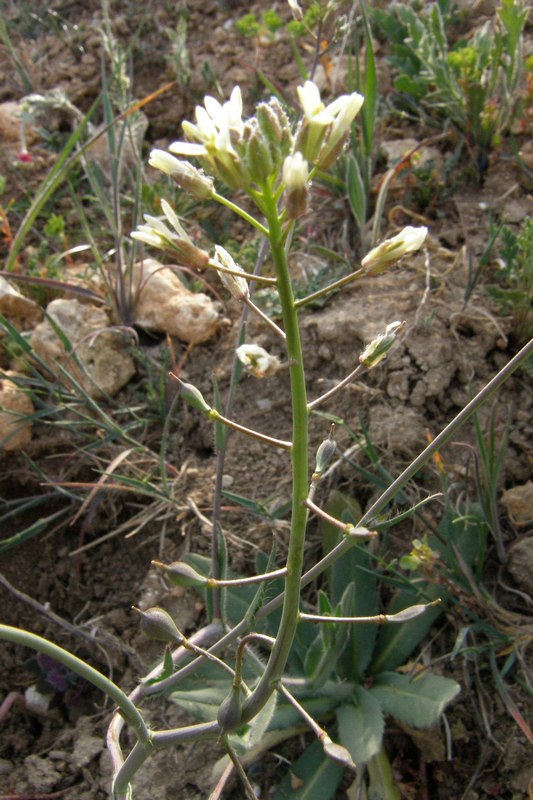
300, 469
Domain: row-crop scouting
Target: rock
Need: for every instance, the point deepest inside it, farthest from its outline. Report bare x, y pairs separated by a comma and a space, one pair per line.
167, 306
520, 565
518, 502
15, 432
395, 149
107, 365
22, 312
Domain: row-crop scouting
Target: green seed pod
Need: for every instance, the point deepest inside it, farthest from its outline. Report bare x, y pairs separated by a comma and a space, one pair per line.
229, 713
158, 624
324, 454
337, 753
181, 574
193, 397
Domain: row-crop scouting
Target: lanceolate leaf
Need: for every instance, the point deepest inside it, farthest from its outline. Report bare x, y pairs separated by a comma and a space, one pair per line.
417, 701
361, 725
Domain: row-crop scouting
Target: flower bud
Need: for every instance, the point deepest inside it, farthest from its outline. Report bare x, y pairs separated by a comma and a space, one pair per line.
411, 612
181, 574
295, 177
379, 347
258, 157
257, 361
159, 625
230, 711
193, 180
409, 240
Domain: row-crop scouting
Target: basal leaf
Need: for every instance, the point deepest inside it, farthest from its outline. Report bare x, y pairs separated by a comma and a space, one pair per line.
419, 701
361, 725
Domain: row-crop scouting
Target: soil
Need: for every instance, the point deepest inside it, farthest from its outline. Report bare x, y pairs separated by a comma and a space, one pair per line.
76, 583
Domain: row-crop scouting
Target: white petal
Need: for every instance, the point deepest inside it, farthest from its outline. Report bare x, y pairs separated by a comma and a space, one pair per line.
188, 149
172, 217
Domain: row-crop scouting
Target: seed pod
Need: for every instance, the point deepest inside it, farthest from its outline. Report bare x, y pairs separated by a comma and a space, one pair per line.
324, 454
193, 397
229, 713
159, 625
181, 574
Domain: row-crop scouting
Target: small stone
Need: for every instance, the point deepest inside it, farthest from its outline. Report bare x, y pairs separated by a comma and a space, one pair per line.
102, 352
518, 502
167, 306
15, 404
22, 312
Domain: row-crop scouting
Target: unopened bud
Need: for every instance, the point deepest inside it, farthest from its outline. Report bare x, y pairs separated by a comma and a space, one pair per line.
230, 711
258, 157
159, 625
379, 347
181, 574
295, 177
409, 240
257, 361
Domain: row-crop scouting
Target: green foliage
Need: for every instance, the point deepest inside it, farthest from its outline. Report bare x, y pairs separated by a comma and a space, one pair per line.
513, 293
476, 84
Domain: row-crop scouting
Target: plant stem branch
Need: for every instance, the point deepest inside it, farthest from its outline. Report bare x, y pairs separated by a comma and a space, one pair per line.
262, 437
356, 373
241, 213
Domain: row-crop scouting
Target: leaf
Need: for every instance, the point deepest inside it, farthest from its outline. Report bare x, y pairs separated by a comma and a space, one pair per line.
361, 725
418, 701
321, 777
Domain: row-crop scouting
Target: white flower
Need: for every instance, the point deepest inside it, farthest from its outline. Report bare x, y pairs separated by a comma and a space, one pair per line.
236, 285
257, 361
409, 240
324, 126
157, 234
219, 128
185, 175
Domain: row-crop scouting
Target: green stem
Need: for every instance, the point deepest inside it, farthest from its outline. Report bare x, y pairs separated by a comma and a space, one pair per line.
88, 673
381, 778
240, 212
300, 469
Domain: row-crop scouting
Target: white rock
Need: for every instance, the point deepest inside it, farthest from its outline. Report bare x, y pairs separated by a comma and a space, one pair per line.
107, 366
396, 149
167, 306
22, 312
15, 432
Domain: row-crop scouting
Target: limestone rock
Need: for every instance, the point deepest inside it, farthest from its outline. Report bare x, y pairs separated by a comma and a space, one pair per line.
22, 312
518, 503
167, 306
107, 366
15, 433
